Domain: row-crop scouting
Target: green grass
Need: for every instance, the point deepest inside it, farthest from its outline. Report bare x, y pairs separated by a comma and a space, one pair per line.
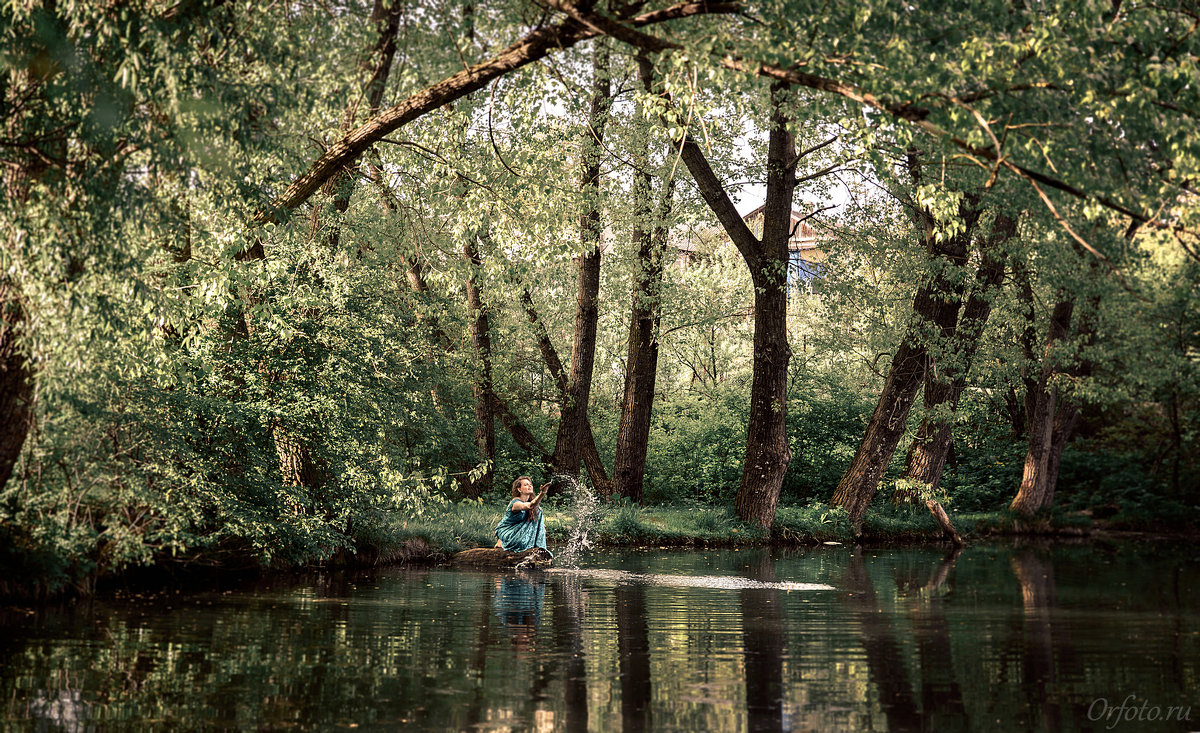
447, 529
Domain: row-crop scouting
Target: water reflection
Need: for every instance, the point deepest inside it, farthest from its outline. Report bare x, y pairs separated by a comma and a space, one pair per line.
569, 612
764, 642
517, 600
633, 650
995, 638
881, 648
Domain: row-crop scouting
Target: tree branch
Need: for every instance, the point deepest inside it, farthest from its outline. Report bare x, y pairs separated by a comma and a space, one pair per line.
536, 45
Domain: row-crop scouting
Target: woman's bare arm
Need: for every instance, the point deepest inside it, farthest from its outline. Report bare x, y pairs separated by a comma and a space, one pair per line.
530, 506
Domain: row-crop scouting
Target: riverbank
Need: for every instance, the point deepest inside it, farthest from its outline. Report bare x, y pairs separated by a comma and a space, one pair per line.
449, 528
462, 526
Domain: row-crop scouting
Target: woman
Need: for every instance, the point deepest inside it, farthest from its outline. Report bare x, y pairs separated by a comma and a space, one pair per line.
523, 526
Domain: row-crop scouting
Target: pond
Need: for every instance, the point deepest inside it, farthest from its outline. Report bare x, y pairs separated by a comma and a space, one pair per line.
1062, 638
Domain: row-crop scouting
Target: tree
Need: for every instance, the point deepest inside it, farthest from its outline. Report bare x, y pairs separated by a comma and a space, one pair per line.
934, 315
641, 365
567, 453
767, 451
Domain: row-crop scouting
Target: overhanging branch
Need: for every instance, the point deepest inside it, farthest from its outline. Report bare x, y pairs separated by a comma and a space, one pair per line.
534, 46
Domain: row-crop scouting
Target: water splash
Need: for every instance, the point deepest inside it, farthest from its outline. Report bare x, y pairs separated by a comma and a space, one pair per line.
585, 513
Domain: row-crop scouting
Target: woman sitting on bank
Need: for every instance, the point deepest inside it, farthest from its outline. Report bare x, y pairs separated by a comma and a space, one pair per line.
523, 527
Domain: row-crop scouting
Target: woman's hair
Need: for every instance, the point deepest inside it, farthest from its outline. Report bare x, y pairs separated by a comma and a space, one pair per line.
517, 485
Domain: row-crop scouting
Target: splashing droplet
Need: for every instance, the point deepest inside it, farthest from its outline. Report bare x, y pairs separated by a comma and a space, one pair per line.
585, 513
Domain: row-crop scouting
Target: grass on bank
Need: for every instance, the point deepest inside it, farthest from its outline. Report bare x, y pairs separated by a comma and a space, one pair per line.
463, 525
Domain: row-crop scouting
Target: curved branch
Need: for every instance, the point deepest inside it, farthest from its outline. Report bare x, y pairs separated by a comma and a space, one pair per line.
536, 45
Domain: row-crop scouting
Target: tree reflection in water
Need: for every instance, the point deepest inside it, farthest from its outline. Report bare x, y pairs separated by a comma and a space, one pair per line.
764, 641
885, 659
994, 638
633, 648
569, 610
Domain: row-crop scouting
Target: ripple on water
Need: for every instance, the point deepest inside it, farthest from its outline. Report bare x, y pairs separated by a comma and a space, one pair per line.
720, 582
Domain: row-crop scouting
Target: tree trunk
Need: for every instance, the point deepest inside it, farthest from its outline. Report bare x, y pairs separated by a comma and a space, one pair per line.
641, 366
567, 453
927, 455
16, 381
1036, 479
591, 456
935, 309
944, 386
767, 451
1065, 417
481, 339
297, 464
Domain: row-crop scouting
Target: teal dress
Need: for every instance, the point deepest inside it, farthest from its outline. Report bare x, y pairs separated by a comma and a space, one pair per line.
517, 535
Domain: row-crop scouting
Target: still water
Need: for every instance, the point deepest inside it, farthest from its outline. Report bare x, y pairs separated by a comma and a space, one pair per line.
995, 638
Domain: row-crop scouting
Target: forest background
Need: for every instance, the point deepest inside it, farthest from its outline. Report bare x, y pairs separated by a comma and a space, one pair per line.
280, 278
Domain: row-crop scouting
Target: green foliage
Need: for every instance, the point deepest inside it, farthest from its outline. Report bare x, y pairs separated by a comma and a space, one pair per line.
825, 420
984, 478
1118, 488
696, 446
816, 521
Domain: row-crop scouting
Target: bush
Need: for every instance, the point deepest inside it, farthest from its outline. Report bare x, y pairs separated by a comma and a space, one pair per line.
816, 521
825, 422
695, 448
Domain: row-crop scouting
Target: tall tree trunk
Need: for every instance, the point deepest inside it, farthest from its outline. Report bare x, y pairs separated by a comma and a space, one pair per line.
1036, 479
16, 380
943, 387
591, 456
481, 339
567, 454
641, 365
767, 451
934, 313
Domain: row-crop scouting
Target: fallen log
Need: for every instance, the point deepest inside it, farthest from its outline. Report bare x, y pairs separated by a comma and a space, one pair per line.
491, 557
